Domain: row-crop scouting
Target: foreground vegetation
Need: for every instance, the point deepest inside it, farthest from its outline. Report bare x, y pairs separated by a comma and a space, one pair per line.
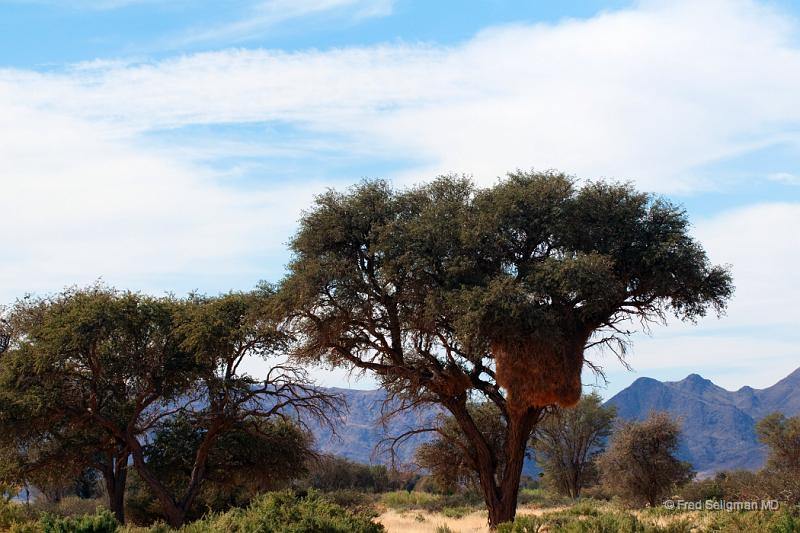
419, 512
276, 512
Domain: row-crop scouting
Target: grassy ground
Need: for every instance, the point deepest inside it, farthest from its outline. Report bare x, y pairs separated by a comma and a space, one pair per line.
589, 517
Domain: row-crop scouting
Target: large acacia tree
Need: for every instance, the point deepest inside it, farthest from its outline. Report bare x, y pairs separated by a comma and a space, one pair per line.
447, 291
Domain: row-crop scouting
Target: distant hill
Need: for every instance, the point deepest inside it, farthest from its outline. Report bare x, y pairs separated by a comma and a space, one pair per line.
359, 431
718, 425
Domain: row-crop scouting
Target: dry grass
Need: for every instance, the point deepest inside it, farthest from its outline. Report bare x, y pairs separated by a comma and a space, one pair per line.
415, 521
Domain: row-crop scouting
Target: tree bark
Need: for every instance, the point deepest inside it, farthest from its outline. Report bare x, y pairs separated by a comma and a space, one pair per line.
115, 475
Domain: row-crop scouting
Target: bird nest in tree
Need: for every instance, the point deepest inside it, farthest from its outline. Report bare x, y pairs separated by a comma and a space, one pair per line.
536, 373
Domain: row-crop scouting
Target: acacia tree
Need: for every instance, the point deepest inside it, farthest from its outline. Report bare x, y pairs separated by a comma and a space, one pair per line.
568, 440
446, 291
92, 372
87, 370
221, 333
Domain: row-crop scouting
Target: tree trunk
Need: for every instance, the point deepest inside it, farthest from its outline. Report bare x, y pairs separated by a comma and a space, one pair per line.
501, 499
176, 510
174, 513
115, 476
518, 432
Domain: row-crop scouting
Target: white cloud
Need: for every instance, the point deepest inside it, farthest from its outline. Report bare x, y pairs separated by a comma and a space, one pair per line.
762, 243
79, 204
650, 93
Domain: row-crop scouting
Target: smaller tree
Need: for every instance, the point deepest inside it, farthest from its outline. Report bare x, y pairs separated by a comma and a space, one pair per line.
250, 458
221, 333
640, 465
782, 435
568, 441
447, 456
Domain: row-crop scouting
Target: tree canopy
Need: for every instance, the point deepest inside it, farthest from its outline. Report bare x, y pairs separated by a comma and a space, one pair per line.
446, 290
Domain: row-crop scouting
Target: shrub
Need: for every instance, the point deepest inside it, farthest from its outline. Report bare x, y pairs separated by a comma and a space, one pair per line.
286, 512
101, 522
456, 512
353, 500
641, 465
13, 515
330, 473
402, 500
567, 441
702, 490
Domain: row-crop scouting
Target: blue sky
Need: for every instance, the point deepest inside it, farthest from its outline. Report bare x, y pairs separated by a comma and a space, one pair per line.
172, 145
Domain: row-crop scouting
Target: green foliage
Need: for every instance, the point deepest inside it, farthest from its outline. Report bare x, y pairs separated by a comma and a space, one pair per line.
567, 442
12, 513
285, 512
782, 435
640, 465
405, 500
456, 512
253, 458
83, 367
67, 506
101, 522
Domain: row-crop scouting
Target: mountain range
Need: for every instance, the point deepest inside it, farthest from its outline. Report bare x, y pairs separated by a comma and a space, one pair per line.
718, 425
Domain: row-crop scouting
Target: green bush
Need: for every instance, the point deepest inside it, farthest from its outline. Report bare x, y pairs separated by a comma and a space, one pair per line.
353, 500
286, 512
101, 522
573, 523
456, 512
402, 500
13, 515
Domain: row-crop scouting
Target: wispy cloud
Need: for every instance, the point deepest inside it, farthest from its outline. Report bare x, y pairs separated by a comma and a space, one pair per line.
651, 93
100, 5
263, 15
785, 177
